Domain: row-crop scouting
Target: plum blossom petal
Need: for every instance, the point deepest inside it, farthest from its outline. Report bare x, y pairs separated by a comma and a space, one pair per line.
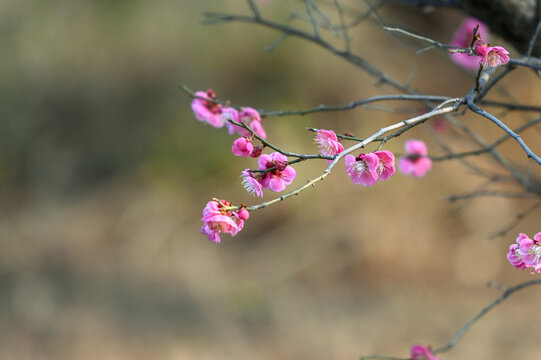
363, 169
463, 37
386, 167
491, 56
531, 254
282, 174
415, 163
526, 253
328, 143
219, 218
208, 111
251, 183
515, 256
419, 352
250, 117
242, 147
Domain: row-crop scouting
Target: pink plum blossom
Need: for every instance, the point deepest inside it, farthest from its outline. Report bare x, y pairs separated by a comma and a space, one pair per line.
282, 174
230, 113
363, 168
251, 183
386, 164
208, 111
531, 252
515, 255
491, 56
219, 218
419, 352
250, 117
415, 163
526, 253
243, 214
463, 38
242, 147
328, 143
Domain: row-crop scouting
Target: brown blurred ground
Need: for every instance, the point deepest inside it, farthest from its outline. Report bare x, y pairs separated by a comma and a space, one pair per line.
105, 172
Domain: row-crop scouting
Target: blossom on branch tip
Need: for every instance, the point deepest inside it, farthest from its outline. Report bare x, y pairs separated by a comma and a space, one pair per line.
208, 111
328, 143
281, 175
385, 167
252, 119
419, 352
218, 218
251, 183
242, 147
415, 163
463, 37
491, 56
362, 169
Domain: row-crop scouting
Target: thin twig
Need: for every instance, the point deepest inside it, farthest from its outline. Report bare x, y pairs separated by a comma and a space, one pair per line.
516, 220
495, 153
419, 37
254, 8
354, 104
343, 26
504, 127
308, 6
276, 148
445, 107
490, 147
480, 193
532, 40
486, 309
350, 57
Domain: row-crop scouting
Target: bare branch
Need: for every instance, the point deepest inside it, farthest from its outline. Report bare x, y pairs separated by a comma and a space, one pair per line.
486, 309
504, 127
516, 220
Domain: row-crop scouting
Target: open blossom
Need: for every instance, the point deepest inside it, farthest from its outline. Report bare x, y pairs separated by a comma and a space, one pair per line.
463, 38
250, 117
281, 176
531, 252
515, 255
251, 183
491, 56
419, 352
386, 164
363, 168
526, 253
242, 147
328, 143
218, 219
208, 111
415, 163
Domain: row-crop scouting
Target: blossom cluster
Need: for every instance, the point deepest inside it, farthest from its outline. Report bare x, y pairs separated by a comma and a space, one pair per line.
206, 109
219, 218
274, 172
366, 169
526, 253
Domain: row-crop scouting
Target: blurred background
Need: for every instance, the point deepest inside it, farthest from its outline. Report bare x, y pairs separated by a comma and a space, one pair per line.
104, 172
